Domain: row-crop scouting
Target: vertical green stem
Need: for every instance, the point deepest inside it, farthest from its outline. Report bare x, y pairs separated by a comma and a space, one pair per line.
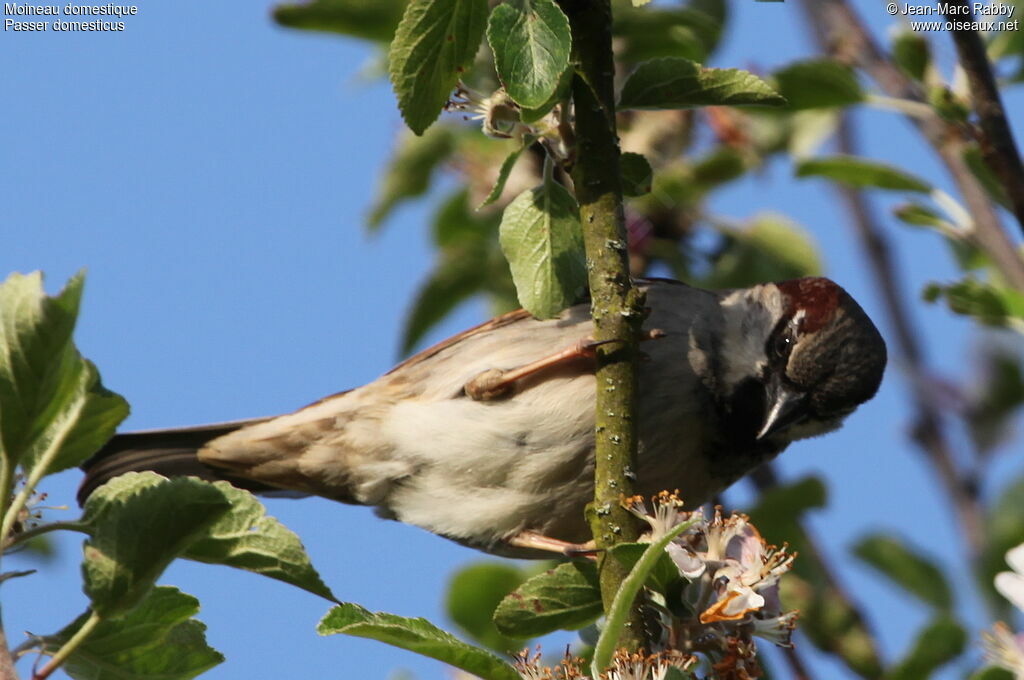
617, 308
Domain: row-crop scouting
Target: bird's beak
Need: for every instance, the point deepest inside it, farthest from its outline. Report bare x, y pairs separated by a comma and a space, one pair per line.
784, 406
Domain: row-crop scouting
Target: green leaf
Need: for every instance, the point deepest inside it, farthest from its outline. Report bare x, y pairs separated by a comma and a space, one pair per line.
912, 53
771, 249
531, 42
369, 19
997, 398
718, 167
859, 172
469, 261
663, 574
618, 613
985, 175
52, 403
950, 106
506, 169
435, 42
528, 114
474, 592
246, 538
687, 32
917, 215
452, 281
818, 83
779, 508
992, 673
938, 644
157, 639
541, 237
564, 598
827, 619
637, 175
410, 170
906, 568
990, 304
672, 83
140, 522
416, 635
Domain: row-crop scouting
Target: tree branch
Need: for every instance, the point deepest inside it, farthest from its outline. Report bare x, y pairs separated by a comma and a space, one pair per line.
617, 308
996, 139
846, 38
926, 431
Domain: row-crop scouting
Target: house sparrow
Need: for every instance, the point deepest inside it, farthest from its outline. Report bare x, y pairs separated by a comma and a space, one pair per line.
487, 438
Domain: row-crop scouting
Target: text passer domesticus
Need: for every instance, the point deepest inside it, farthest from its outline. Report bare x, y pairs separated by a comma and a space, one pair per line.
487, 438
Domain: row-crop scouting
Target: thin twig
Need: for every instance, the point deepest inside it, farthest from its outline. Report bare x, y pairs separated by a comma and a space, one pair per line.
796, 664
846, 38
927, 430
997, 144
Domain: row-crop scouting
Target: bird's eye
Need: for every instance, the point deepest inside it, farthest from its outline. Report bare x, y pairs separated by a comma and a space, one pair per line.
782, 345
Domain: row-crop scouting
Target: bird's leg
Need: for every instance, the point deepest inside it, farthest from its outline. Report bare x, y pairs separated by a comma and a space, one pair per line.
536, 541
495, 383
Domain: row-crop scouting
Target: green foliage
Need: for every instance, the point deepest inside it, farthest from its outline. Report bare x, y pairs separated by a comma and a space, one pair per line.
690, 32
531, 42
140, 522
993, 187
506, 169
636, 174
529, 114
368, 19
818, 83
673, 83
827, 618
991, 304
410, 170
55, 410
663, 573
416, 635
157, 639
912, 53
474, 592
771, 249
780, 508
939, 643
917, 215
861, 173
906, 568
246, 538
566, 597
469, 262
998, 397
618, 613
541, 237
435, 42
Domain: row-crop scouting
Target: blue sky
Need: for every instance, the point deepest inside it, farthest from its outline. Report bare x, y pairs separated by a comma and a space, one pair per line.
212, 172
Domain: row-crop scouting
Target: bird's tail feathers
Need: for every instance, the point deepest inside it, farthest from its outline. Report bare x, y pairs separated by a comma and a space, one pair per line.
172, 453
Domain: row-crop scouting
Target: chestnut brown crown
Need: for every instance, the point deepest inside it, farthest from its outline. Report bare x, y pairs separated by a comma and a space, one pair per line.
827, 347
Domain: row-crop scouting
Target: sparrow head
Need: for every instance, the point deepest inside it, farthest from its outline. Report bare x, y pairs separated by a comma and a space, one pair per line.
811, 350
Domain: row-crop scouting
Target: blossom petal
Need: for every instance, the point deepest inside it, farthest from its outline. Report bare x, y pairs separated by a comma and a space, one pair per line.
690, 566
733, 606
1015, 558
1011, 586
